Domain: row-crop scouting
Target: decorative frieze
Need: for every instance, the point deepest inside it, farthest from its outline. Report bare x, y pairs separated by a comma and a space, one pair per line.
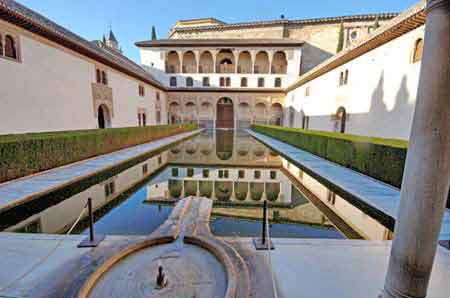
102, 95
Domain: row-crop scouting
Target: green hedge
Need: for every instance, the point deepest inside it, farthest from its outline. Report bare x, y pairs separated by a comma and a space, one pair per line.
382, 159
25, 154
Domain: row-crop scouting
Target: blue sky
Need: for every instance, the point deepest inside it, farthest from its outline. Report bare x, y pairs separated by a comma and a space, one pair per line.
132, 19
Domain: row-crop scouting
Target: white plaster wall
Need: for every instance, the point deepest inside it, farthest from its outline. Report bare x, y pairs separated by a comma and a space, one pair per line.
50, 90
380, 95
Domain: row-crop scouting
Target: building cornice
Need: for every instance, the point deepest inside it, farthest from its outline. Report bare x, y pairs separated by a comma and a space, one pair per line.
25, 18
260, 43
282, 22
400, 25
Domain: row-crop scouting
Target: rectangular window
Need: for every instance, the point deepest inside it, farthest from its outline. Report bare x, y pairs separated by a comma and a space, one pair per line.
205, 173
190, 172
226, 173
173, 81
277, 82
141, 91
307, 91
257, 174
241, 174
157, 95
222, 82
174, 172
159, 160
98, 76
228, 82
205, 81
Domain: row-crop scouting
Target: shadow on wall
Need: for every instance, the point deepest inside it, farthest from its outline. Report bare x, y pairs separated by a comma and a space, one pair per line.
312, 56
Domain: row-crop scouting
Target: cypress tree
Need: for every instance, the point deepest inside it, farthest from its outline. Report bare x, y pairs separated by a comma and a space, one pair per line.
340, 45
154, 33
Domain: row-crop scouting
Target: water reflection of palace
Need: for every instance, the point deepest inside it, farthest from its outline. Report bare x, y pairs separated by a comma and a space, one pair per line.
224, 147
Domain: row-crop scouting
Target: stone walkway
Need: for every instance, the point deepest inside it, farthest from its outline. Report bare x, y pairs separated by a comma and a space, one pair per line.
17, 191
374, 193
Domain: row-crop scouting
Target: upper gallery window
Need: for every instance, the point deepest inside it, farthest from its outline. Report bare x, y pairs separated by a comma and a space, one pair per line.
205, 81
418, 50
141, 90
260, 82
244, 82
277, 83
173, 81
189, 82
10, 47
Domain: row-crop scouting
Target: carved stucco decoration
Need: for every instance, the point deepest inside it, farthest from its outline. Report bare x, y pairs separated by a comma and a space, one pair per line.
102, 95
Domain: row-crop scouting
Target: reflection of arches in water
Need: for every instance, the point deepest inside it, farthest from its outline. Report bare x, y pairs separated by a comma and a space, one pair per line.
175, 188
225, 113
223, 190
243, 151
258, 152
224, 144
241, 190
273, 153
104, 118
272, 191
191, 147
256, 190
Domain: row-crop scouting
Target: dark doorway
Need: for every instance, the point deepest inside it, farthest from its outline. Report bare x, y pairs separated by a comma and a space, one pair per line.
225, 114
103, 117
341, 116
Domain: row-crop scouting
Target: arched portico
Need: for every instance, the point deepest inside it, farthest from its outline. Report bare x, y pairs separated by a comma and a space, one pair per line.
225, 113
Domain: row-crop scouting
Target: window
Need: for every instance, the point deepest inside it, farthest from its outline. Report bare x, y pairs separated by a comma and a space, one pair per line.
244, 82
273, 175
241, 174
10, 47
346, 77
260, 82
205, 173
173, 81
190, 172
158, 96
144, 169
224, 82
158, 117
307, 91
104, 78
331, 198
189, 82
205, 81
32, 227
159, 160
139, 119
257, 174
277, 82
144, 119
98, 76
418, 51
343, 78
109, 188
305, 122
224, 173
141, 90
174, 172
1, 45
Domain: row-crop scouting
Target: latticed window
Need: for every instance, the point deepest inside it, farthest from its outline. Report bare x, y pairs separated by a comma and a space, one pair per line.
222, 82
141, 90
205, 81
418, 50
10, 47
277, 82
189, 82
227, 82
104, 78
98, 76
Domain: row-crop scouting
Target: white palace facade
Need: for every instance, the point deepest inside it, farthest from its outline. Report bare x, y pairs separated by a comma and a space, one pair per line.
220, 75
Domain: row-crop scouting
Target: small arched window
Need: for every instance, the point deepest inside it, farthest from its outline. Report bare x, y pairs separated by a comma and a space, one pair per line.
418, 50
277, 82
144, 119
244, 82
98, 76
205, 81
104, 78
227, 81
10, 47
260, 82
346, 77
222, 82
189, 82
173, 81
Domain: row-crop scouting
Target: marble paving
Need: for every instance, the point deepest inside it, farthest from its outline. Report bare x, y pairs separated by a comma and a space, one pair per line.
17, 191
376, 194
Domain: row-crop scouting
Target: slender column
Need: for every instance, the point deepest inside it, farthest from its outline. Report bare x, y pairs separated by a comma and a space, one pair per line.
427, 171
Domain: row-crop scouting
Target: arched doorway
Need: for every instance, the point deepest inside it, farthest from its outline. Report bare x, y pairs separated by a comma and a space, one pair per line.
104, 119
225, 114
341, 117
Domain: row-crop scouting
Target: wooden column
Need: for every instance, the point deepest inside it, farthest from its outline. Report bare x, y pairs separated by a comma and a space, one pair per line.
427, 171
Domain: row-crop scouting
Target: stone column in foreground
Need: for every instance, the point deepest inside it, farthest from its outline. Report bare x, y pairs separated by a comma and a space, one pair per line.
427, 172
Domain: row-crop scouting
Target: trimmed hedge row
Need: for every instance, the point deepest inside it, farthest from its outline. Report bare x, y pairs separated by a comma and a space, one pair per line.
382, 159
25, 154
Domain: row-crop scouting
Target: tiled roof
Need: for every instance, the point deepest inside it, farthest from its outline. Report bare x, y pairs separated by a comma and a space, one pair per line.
15, 13
261, 42
380, 16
